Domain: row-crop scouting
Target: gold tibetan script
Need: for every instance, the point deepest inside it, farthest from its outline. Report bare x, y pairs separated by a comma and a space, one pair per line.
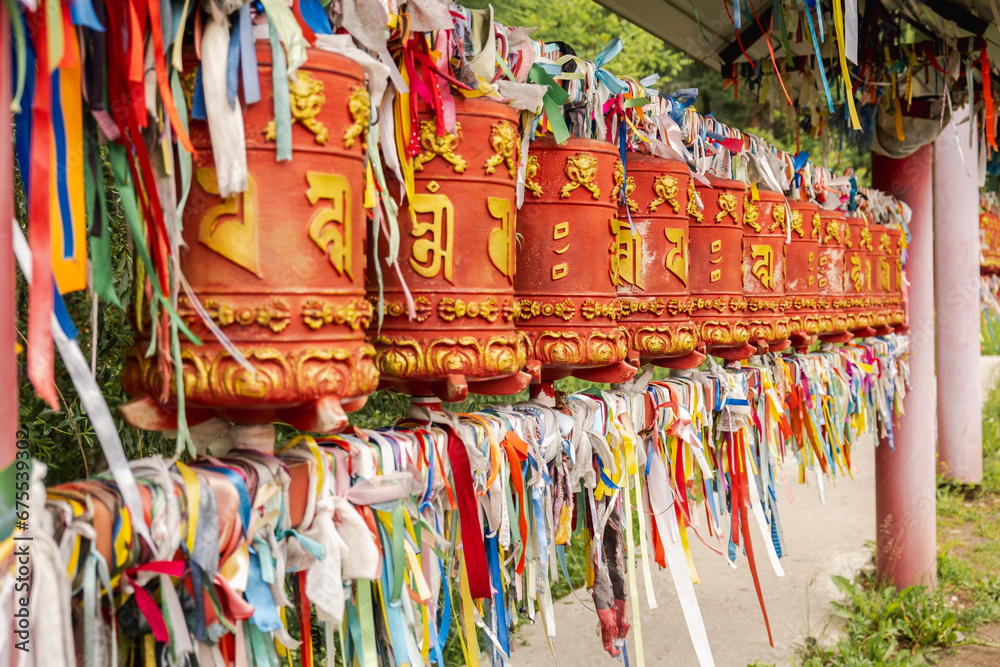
676, 261
716, 275
223, 229
435, 239
883, 273
626, 255
560, 231
330, 226
500, 245
855, 274
763, 268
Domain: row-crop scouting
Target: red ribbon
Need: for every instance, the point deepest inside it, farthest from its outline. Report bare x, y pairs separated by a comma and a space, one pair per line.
468, 514
991, 130
40, 354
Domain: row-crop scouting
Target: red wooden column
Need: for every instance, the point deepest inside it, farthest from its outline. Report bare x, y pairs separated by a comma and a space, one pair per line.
956, 300
905, 503
8, 284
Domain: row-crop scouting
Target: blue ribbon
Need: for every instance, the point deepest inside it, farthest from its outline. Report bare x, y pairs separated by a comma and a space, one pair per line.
198, 98
493, 558
737, 18
233, 68
248, 58
819, 60
265, 612
62, 182
82, 13
623, 199
612, 82
315, 17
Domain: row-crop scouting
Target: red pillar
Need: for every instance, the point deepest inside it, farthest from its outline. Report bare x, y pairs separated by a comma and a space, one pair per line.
905, 502
956, 300
8, 284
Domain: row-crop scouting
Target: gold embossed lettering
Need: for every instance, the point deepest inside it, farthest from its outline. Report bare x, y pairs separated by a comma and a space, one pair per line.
334, 241
763, 268
223, 229
626, 256
433, 248
500, 244
676, 261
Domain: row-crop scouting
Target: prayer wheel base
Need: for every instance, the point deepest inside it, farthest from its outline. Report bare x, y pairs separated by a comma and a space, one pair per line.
685, 362
863, 332
780, 346
744, 351
456, 388
620, 372
837, 338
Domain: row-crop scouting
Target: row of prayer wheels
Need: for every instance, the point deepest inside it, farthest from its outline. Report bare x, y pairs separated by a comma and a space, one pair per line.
605, 266
989, 231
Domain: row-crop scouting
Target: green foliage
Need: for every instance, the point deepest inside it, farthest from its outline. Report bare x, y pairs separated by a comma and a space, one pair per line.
884, 626
588, 28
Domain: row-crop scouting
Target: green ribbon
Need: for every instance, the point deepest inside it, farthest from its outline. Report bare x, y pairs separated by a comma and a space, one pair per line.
119, 169
21, 49
97, 211
282, 106
553, 100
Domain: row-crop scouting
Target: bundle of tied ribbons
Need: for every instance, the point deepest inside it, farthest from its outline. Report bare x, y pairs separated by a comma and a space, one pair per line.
449, 524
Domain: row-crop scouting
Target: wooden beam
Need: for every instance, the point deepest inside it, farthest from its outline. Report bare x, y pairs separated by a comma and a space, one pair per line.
732, 51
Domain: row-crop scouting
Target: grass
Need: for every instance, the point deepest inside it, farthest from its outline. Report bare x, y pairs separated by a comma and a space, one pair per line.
879, 625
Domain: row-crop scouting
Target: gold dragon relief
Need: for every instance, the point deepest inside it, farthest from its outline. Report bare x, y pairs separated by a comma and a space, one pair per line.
307, 99
435, 146
620, 198
727, 206
666, 189
503, 139
581, 170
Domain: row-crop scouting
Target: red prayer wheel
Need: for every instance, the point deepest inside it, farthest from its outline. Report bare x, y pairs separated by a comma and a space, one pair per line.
764, 271
279, 268
457, 257
857, 276
894, 298
802, 277
716, 277
572, 239
653, 266
830, 277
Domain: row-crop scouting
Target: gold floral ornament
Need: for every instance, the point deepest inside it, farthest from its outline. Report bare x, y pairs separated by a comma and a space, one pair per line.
629, 184
442, 147
866, 238
273, 315
665, 189
529, 174
727, 206
692, 208
503, 139
832, 232
357, 314
750, 214
359, 104
581, 170
817, 225
451, 309
306, 96
778, 214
